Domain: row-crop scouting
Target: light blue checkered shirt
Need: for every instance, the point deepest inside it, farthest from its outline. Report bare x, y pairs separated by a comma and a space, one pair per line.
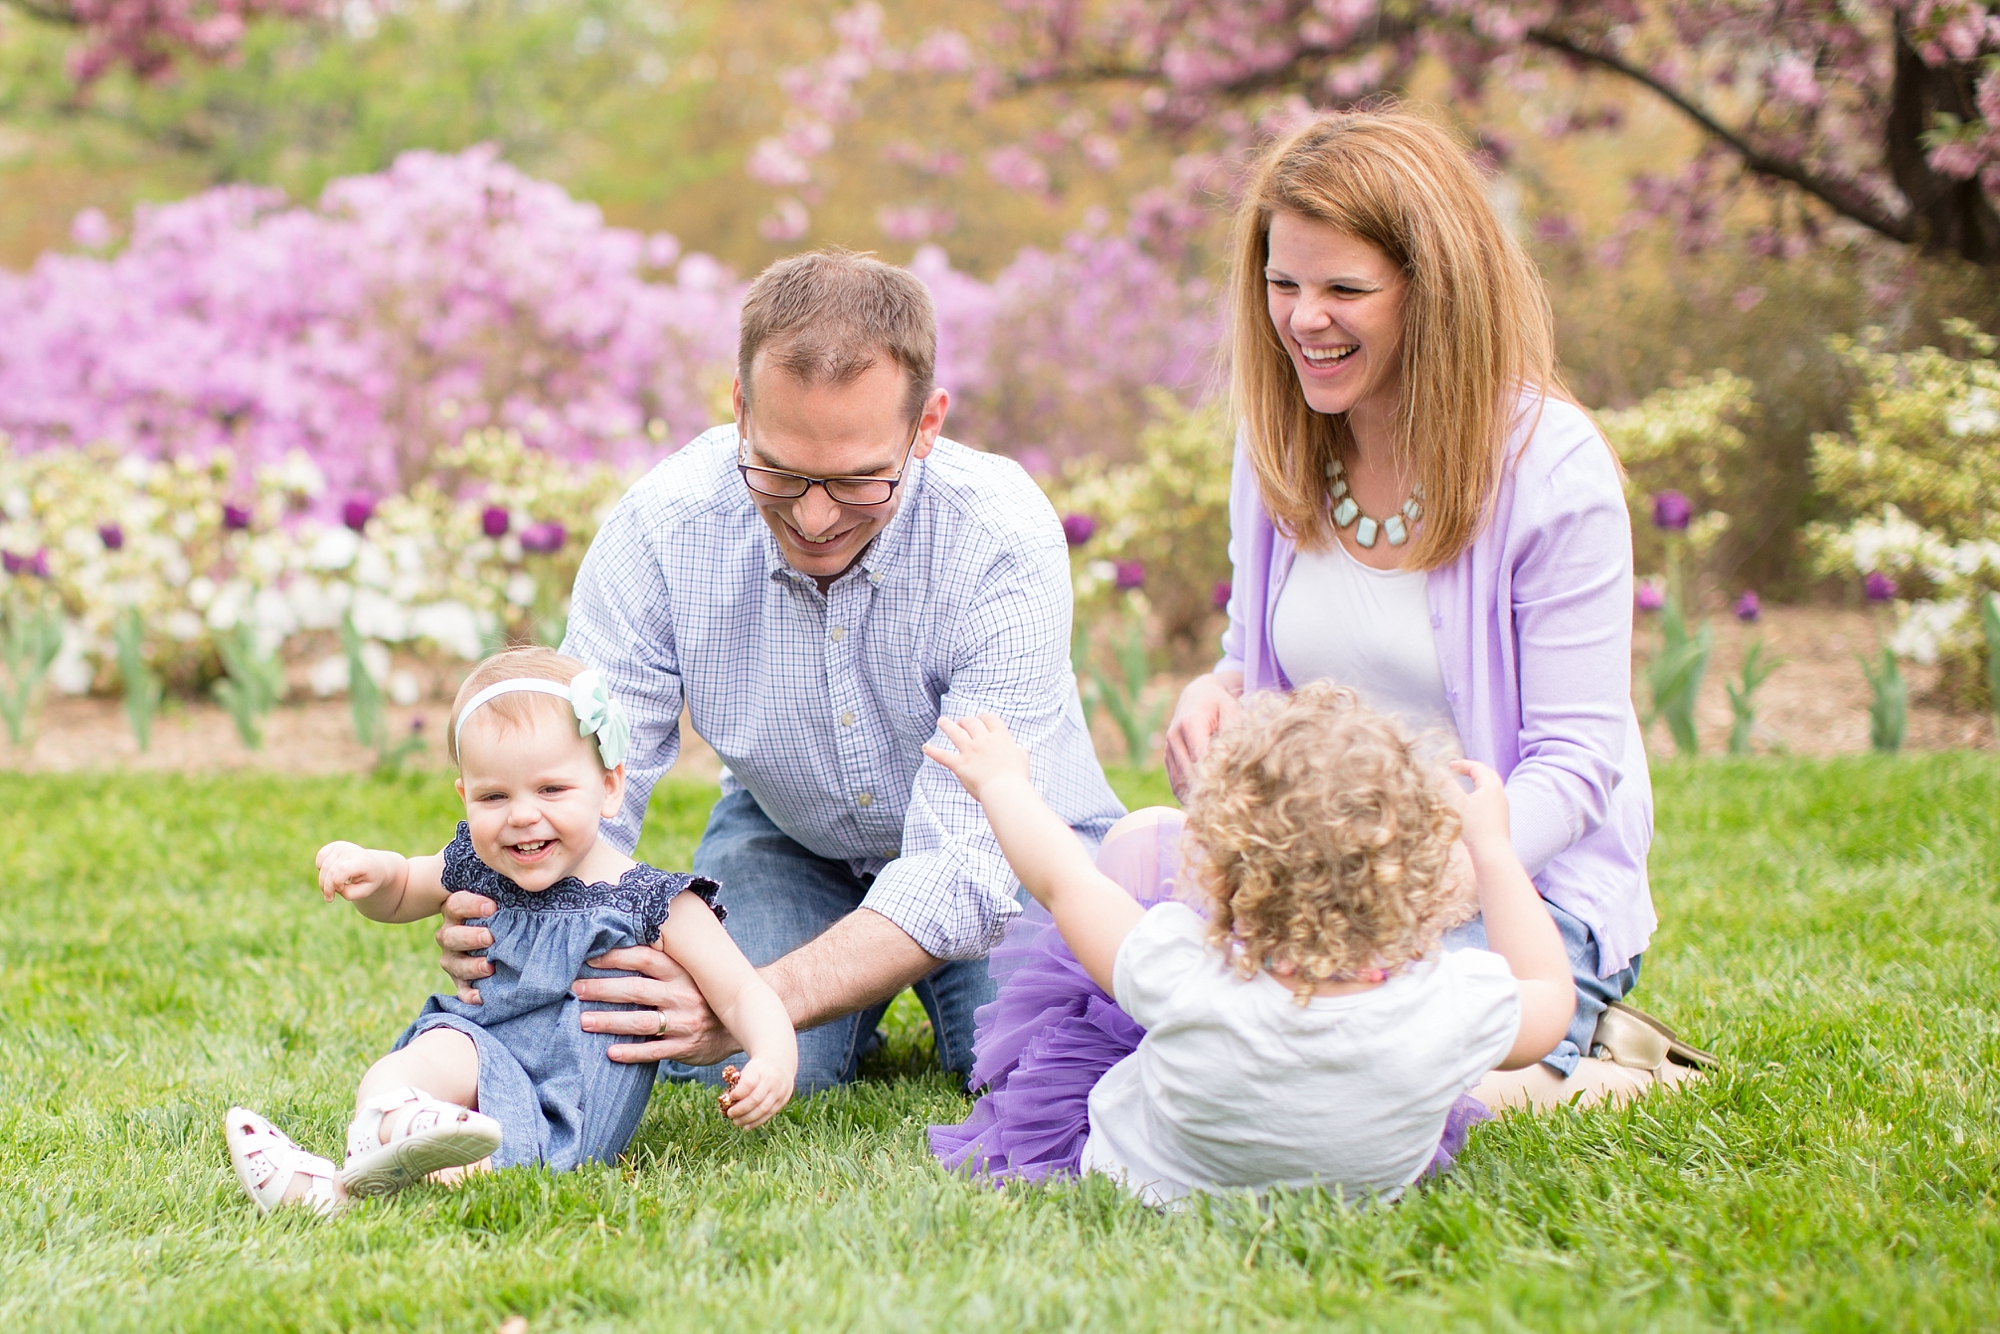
819, 704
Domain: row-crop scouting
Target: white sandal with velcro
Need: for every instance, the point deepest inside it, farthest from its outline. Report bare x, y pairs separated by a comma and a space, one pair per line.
434, 1134
267, 1161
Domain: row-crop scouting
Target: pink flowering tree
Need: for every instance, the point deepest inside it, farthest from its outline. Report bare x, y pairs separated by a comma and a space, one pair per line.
368, 332
1883, 114
148, 36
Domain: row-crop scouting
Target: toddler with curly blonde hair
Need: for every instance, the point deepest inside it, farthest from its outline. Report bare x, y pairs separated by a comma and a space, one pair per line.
1289, 1017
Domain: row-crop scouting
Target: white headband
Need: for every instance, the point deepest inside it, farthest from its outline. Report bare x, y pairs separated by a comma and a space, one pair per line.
596, 712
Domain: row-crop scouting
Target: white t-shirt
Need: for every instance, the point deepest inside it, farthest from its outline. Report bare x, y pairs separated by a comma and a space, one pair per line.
1341, 621
1238, 1086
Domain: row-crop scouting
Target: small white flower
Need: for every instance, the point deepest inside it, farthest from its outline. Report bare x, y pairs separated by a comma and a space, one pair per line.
201, 592
334, 549
1974, 416
521, 589
228, 606
300, 475
72, 672
404, 688
319, 606
184, 626
377, 616
329, 675
371, 566
452, 626
375, 661
1930, 627
273, 613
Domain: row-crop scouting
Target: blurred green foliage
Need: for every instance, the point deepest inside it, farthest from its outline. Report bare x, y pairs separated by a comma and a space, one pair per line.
1662, 319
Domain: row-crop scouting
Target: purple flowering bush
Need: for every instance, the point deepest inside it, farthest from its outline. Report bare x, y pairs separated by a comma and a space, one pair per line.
453, 292
367, 331
1066, 351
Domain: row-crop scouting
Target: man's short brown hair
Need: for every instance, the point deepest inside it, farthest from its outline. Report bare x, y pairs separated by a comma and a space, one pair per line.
828, 315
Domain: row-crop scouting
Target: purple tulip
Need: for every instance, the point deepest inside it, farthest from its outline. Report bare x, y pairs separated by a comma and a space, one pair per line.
1651, 596
235, 517
493, 521
357, 512
1878, 586
1748, 607
544, 538
1077, 528
111, 535
36, 565
1218, 597
1131, 575
1671, 511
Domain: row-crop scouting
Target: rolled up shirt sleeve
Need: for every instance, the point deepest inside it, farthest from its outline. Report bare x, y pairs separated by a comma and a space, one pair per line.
621, 623
1572, 590
951, 889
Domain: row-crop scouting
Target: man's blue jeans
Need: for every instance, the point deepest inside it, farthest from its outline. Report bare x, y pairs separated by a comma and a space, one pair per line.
779, 896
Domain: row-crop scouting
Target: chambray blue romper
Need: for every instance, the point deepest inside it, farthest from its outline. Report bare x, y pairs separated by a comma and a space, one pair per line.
559, 1099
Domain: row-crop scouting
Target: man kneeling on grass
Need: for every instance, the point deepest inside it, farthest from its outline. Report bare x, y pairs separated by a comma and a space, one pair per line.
818, 583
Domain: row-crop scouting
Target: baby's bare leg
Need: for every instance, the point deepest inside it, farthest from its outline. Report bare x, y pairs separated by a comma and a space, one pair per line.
442, 1062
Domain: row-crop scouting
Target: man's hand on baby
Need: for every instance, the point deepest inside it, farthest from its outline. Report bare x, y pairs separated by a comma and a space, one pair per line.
1482, 812
352, 872
457, 941
756, 1093
674, 1022
985, 754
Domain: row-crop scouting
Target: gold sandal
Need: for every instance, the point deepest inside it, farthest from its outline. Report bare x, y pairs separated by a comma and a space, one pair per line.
1633, 1038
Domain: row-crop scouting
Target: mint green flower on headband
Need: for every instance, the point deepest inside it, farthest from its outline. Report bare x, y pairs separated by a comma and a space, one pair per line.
597, 714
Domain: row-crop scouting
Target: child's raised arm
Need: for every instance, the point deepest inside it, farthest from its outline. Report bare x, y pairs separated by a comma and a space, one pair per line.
746, 1005
1518, 926
382, 886
1093, 913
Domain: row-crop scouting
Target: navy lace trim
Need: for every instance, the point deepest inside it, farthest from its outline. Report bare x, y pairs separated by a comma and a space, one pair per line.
644, 891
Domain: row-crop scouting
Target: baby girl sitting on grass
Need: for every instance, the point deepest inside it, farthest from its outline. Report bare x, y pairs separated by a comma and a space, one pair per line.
515, 1079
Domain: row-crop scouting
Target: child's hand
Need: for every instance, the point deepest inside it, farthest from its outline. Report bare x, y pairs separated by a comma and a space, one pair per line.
1482, 812
986, 754
352, 872
756, 1093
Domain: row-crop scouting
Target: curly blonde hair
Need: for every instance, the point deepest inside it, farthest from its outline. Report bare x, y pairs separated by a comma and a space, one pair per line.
1323, 840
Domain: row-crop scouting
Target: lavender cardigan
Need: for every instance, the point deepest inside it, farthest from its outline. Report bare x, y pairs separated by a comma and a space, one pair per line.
1533, 624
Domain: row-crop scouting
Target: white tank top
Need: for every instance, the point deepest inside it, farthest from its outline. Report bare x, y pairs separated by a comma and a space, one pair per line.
1341, 621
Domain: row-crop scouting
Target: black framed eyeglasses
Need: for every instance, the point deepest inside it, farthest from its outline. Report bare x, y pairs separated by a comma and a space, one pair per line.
777, 485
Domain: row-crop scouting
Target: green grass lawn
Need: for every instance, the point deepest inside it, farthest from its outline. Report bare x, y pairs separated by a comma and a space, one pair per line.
1829, 929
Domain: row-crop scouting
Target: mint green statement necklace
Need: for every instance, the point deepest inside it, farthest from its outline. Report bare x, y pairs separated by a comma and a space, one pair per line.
1345, 511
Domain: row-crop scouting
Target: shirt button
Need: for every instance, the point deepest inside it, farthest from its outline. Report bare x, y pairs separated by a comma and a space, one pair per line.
1437, 621
865, 799
839, 632
847, 719
892, 853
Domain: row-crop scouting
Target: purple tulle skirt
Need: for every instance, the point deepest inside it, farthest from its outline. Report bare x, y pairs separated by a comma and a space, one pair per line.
1050, 1033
